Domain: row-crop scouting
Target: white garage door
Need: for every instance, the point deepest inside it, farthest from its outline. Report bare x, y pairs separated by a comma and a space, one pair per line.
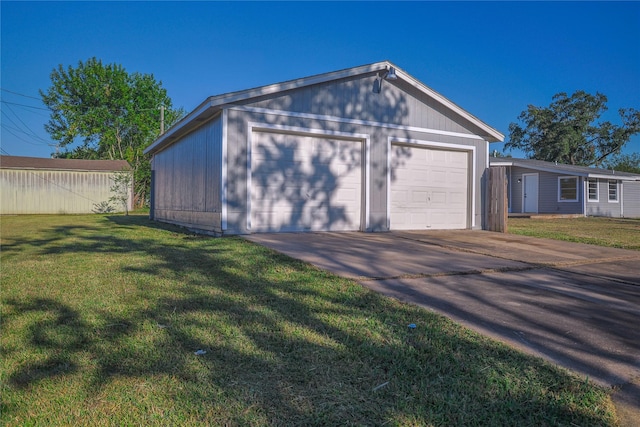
305, 183
429, 188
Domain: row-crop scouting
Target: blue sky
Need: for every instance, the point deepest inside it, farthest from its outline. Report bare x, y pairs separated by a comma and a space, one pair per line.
492, 59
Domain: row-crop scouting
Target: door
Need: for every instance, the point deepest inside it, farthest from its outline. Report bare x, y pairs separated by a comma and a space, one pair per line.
305, 183
530, 193
429, 188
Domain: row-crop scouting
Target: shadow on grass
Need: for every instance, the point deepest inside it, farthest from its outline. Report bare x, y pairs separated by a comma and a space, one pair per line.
285, 343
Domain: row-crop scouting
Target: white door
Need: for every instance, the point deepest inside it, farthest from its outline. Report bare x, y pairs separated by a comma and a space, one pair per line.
530, 193
429, 188
305, 183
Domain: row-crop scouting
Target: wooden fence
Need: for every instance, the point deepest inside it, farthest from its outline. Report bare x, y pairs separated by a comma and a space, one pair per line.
497, 199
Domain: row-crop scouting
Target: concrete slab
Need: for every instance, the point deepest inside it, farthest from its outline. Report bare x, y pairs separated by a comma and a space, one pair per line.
531, 250
378, 255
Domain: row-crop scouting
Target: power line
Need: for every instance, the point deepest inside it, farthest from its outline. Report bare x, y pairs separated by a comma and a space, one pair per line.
21, 138
24, 105
31, 132
19, 94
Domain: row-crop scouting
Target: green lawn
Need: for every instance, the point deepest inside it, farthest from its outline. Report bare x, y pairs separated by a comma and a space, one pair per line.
102, 315
614, 232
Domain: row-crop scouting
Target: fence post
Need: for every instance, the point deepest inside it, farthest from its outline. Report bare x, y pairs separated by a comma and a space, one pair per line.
497, 199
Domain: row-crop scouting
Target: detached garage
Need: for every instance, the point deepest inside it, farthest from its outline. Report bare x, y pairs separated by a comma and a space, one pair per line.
368, 148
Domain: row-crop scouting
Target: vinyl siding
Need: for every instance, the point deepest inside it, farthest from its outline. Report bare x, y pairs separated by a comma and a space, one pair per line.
547, 192
187, 179
187, 174
603, 207
631, 199
33, 191
398, 103
238, 137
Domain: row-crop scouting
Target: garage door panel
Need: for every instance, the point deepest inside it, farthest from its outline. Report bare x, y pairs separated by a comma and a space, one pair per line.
438, 177
316, 184
429, 188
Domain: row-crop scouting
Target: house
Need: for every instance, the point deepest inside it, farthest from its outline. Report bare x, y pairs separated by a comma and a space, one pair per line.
32, 185
368, 148
535, 186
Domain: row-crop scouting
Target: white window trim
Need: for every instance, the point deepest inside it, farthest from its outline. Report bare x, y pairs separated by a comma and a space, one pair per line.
365, 139
597, 199
560, 200
617, 200
432, 144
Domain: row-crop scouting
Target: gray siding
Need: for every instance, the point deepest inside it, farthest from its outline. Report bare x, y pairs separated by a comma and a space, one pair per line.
238, 129
54, 191
603, 207
398, 103
187, 180
631, 199
547, 192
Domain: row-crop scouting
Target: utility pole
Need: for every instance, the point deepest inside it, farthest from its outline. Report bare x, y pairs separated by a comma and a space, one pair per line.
161, 119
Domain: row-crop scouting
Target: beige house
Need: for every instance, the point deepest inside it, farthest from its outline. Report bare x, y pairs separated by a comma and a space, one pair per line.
32, 185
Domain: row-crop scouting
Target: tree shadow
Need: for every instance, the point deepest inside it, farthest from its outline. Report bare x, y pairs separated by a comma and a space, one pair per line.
276, 342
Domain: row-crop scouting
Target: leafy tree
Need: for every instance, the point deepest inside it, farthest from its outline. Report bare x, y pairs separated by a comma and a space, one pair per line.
567, 132
624, 163
121, 189
102, 112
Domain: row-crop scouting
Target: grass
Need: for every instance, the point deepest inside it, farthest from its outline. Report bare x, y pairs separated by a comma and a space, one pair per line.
613, 232
102, 315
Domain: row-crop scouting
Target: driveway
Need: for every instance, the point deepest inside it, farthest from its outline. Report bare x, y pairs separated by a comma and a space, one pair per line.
573, 304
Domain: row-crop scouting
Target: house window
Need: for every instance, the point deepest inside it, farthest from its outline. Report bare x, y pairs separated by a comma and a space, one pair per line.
592, 190
568, 189
613, 191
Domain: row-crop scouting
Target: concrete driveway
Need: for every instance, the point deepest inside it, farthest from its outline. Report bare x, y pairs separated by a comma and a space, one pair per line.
575, 305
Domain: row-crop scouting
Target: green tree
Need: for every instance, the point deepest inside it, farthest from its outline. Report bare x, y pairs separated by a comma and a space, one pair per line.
567, 131
101, 111
624, 163
121, 189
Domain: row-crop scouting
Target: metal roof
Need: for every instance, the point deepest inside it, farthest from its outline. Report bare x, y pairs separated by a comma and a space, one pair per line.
212, 105
586, 171
19, 162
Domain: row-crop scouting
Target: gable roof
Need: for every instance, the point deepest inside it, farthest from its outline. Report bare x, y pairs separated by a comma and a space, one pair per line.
584, 171
18, 162
212, 105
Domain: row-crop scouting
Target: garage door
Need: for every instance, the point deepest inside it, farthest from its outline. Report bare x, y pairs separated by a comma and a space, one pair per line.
429, 188
305, 183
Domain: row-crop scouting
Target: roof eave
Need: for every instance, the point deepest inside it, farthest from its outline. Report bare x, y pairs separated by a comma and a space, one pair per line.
559, 169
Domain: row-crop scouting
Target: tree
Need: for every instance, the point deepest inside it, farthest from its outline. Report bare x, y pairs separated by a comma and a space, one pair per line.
625, 163
567, 131
121, 189
102, 112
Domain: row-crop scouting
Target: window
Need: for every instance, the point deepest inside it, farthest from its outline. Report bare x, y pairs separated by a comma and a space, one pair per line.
568, 189
592, 190
613, 191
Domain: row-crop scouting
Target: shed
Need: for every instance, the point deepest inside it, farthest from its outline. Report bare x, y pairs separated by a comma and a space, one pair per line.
33, 185
536, 186
368, 148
